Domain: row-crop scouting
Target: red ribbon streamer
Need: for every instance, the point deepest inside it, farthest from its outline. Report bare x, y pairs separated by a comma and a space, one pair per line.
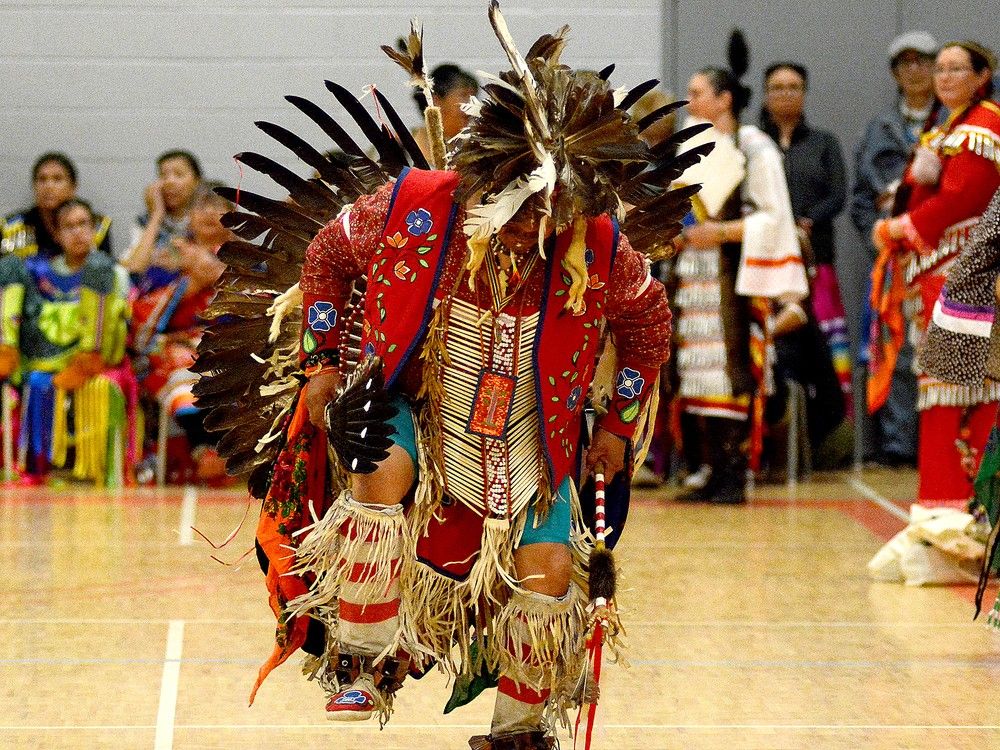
595, 647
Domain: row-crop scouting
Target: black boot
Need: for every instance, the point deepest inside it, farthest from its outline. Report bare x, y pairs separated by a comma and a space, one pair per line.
727, 438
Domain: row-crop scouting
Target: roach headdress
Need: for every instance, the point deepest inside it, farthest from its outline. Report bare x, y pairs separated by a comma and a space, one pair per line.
543, 130
566, 138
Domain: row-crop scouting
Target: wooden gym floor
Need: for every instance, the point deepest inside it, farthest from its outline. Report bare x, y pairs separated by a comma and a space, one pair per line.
750, 627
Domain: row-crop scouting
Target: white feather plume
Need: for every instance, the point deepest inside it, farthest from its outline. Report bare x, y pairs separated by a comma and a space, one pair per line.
498, 81
486, 219
281, 307
530, 93
473, 107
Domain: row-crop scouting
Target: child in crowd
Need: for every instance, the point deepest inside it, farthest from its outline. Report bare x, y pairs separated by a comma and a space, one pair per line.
152, 256
62, 335
166, 330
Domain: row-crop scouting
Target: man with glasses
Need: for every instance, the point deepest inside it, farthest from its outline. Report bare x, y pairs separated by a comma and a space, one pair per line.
880, 160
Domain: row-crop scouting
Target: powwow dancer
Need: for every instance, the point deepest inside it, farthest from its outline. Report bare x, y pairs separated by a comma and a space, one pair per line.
947, 187
970, 355
739, 258
479, 294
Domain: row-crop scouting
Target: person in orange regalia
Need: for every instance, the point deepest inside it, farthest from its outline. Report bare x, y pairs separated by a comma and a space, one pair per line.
953, 176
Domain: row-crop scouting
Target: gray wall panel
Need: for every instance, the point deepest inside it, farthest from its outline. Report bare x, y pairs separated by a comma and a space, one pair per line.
975, 19
116, 83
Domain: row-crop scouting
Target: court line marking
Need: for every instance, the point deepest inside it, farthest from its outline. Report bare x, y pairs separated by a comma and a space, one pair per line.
169, 684
365, 727
636, 623
883, 502
930, 663
189, 506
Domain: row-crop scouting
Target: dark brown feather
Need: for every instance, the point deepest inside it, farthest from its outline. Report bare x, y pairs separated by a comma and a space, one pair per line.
391, 154
658, 114
278, 213
328, 170
637, 92
317, 201
402, 133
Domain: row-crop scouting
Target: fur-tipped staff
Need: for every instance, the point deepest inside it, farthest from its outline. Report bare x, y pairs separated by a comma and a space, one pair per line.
602, 576
604, 622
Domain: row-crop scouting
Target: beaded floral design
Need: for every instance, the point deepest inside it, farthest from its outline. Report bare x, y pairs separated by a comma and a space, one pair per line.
419, 222
629, 383
322, 316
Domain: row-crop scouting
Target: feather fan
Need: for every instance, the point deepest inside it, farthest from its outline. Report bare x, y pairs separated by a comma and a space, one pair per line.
248, 359
357, 420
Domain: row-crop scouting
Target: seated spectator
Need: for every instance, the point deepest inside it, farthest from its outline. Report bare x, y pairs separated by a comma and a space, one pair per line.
166, 328
153, 256
453, 87
63, 333
32, 231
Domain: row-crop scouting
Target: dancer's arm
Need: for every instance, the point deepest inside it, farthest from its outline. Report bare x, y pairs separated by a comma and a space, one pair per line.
639, 320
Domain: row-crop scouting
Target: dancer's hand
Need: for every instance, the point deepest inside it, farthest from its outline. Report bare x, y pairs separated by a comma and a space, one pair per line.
320, 390
607, 452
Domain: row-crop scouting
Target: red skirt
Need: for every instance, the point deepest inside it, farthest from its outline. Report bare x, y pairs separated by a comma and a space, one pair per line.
943, 480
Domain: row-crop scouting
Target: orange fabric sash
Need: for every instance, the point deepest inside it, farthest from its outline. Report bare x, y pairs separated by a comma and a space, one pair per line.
888, 324
299, 478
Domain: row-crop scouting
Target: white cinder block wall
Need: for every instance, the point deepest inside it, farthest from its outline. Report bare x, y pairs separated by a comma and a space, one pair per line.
114, 84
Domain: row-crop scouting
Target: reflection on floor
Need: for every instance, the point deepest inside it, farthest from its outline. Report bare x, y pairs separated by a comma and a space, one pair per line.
750, 627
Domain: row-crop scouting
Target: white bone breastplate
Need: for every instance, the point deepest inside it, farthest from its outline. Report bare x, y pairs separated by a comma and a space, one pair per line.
490, 411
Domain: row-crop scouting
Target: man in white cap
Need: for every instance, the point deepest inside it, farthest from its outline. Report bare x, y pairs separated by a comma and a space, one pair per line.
880, 159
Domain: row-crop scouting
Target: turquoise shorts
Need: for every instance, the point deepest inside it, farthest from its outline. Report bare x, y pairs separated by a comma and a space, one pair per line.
556, 527
405, 437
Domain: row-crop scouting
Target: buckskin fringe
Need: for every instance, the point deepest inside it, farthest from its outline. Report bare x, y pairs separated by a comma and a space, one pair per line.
320, 668
433, 355
349, 533
545, 496
434, 613
495, 564
553, 628
439, 612
933, 393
